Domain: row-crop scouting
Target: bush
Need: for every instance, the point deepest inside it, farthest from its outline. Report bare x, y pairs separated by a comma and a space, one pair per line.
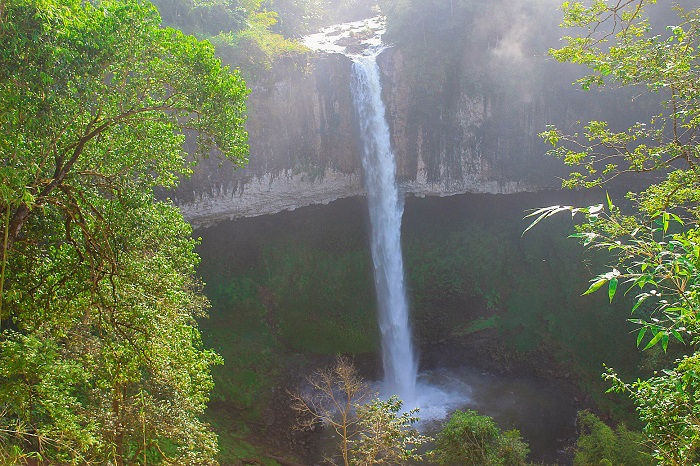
255, 49
599, 444
471, 439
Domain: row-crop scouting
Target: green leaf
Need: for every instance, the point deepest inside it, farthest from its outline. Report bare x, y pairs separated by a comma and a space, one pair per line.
588, 237
612, 287
545, 212
535, 222
594, 287
640, 299
677, 219
640, 335
657, 337
610, 204
595, 209
678, 336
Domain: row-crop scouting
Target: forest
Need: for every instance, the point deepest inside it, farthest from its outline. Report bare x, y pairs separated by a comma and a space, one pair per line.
130, 337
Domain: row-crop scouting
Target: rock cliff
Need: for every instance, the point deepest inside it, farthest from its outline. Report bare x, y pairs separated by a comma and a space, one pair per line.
303, 148
458, 125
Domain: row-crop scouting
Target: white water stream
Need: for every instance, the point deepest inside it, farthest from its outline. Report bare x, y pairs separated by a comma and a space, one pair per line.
385, 211
439, 392
361, 41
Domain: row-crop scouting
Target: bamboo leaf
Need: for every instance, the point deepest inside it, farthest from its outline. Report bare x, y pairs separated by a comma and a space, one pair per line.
640, 299
678, 336
640, 335
535, 222
612, 288
544, 213
654, 341
542, 210
594, 287
595, 209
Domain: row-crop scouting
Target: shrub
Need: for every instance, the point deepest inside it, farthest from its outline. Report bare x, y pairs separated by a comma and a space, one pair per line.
471, 439
599, 444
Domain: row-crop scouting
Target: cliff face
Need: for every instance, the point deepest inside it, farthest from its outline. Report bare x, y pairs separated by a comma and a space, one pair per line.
303, 148
453, 135
457, 126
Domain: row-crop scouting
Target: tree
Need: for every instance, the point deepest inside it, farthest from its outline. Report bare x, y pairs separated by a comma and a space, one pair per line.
203, 17
386, 435
655, 241
256, 48
334, 392
471, 439
84, 88
100, 356
297, 17
370, 430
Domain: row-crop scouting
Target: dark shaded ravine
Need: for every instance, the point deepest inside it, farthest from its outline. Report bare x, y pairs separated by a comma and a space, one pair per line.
292, 289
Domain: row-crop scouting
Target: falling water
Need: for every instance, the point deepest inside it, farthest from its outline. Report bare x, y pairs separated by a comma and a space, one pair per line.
437, 393
386, 210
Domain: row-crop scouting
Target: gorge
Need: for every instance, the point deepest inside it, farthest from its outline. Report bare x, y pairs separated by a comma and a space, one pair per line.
469, 128
481, 296
228, 240
500, 311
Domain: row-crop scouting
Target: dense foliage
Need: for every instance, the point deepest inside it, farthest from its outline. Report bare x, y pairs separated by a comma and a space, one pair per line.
303, 285
296, 17
469, 438
100, 356
243, 31
600, 444
656, 239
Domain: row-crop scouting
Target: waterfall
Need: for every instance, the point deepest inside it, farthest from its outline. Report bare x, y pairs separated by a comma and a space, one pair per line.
362, 42
385, 204
386, 210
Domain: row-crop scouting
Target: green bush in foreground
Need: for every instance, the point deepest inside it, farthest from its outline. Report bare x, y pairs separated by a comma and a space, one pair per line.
600, 444
471, 439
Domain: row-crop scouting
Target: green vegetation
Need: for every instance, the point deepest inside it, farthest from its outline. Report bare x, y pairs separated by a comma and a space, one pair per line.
100, 357
387, 435
291, 303
256, 49
473, 271
298, 17
655, 240
206, 18
252, 35
243, 32
471, 439
599, 444
295, 17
